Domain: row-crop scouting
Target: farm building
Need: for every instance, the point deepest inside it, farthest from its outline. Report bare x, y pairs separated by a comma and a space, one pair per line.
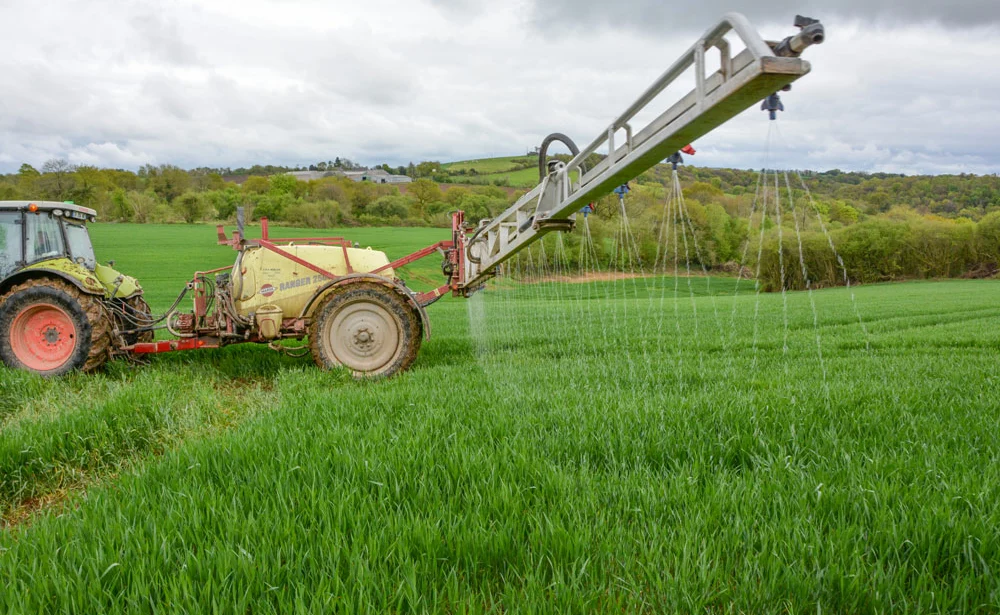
376, 176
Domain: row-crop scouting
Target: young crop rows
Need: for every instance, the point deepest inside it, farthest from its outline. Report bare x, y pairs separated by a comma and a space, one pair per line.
628, 444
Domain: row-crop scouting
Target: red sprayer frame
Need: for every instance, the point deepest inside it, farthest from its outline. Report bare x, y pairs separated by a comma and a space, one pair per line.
453, 250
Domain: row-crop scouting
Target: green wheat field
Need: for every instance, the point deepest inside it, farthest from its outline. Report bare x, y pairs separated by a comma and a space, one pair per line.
647, 445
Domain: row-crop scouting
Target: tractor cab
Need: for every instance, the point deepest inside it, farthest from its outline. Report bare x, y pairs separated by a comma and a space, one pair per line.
36, 232
50, 237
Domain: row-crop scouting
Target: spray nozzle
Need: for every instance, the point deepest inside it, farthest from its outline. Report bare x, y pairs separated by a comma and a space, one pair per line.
772, 104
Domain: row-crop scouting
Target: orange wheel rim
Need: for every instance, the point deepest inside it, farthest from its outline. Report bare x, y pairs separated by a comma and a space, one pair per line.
43, 337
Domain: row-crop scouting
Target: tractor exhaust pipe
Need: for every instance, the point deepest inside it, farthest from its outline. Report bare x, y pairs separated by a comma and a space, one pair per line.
240, 221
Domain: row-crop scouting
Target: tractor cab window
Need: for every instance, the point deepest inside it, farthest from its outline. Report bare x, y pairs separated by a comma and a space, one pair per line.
10, 242
44, 238
80, 248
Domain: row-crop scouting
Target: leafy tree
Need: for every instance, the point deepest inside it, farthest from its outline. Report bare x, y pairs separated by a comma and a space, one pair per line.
121, 208
319, 214
274, 205
879, 200
256, 185
427, 168
844, 213
425, 192
57, 166
27, 176
147, 207
190, 206
390, 207
56, 180
704, 193
362, 195
225, 201
168, 181
988, 237
283, 184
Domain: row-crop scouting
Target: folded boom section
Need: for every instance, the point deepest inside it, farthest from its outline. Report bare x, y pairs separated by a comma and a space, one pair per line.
740, 82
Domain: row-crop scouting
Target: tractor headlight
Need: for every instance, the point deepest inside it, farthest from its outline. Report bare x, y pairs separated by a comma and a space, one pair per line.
57, 213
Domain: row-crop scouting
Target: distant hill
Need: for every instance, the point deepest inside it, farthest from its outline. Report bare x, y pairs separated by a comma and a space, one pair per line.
512, 171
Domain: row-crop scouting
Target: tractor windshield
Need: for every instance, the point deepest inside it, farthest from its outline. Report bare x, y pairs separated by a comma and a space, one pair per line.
80, 248
43, 238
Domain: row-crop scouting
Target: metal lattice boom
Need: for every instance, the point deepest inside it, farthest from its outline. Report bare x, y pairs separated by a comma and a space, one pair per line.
740, 82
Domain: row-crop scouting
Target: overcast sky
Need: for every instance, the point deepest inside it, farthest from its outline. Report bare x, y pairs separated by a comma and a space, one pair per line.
908, 86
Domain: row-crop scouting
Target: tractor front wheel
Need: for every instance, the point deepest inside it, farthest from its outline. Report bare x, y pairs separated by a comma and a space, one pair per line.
366, 327
51, 328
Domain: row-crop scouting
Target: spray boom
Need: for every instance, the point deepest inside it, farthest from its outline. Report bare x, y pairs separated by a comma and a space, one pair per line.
566, 188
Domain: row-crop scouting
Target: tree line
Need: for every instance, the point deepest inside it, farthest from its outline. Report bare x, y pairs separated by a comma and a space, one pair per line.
932, 227
167, 194
885, 226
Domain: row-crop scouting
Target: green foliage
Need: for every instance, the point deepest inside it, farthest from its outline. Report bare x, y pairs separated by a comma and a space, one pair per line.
283, 184
224, 201
703, 192
190, 207
121, 210
147, 207
842, 212
988, 237
273, 205
425, 192
388, 210
316, 214
167, 181
256, 185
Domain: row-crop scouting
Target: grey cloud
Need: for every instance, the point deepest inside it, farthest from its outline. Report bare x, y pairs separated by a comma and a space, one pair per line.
653, 16
161, 37
249, 82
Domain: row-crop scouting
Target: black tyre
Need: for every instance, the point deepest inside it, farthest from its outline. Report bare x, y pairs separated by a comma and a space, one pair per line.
367, 328
51, 328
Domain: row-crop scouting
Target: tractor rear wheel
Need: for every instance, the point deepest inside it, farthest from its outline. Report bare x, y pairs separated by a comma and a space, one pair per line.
367, 328
51, 327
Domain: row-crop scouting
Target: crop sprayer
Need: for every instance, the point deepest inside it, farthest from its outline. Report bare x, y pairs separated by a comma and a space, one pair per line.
61, 310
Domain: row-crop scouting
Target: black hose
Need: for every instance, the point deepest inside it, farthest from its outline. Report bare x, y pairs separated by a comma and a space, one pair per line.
543, 152
472, 241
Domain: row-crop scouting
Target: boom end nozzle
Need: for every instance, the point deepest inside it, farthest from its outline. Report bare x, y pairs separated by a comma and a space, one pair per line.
811, 32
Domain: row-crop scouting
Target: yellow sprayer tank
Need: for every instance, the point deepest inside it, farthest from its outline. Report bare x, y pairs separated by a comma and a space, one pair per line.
265, 278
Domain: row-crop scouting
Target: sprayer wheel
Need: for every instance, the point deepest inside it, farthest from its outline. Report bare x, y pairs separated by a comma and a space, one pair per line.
367, 328
51, 327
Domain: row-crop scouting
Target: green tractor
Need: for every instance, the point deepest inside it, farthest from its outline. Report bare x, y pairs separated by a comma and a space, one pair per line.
58, 305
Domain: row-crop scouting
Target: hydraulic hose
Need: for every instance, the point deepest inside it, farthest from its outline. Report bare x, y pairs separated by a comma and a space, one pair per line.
543, 151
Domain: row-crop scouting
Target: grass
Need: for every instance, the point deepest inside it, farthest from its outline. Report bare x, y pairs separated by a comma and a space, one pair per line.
524, 178
487, 165
490, 169
559, 447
